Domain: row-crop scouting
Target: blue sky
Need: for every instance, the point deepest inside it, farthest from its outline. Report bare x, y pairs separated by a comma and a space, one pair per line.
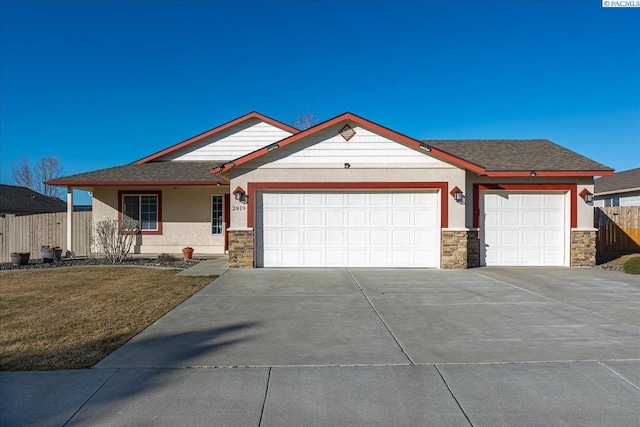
104, 83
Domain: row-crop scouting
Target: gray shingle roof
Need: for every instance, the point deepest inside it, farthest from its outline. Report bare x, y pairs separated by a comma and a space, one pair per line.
620, 181
146, 173
517, 155
22, 199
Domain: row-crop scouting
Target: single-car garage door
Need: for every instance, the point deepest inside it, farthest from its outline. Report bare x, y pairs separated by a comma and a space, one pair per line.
523, 229
347, 229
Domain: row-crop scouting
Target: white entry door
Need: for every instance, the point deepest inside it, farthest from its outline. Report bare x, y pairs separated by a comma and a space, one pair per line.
348, 229
524, 229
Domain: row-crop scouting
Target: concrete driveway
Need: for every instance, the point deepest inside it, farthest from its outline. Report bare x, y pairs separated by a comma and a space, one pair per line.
482, 347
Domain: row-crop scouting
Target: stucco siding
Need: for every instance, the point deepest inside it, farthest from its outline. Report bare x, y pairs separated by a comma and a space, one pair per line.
364, 148
231, 143
186, 219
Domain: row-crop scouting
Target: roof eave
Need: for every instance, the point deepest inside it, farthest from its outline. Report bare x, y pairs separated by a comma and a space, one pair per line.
548, 173
132, 183
618, 191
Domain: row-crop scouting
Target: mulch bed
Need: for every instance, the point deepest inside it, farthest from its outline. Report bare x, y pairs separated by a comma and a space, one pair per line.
161, 261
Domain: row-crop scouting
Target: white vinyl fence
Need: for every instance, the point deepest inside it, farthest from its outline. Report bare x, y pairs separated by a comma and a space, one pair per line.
27, 233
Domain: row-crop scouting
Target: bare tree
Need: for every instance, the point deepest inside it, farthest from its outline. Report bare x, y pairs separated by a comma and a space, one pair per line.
21, 172
305, 119
33, 177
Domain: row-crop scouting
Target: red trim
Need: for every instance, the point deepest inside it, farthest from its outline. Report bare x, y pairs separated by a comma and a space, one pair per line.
477, 188
134, 183
251, 115
227, 220
238, 190
548, 173
365, 123
157, 193
354, 186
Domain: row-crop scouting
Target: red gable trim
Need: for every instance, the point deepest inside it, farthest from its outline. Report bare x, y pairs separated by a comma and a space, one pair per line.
549, 173
573, 188
353, 186
252, 115
364, 123
132, 183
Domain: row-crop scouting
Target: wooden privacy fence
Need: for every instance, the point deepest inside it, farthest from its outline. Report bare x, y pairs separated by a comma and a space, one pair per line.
618, 228
27, 233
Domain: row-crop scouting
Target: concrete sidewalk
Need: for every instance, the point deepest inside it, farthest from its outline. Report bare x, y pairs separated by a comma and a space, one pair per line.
365, 347
215, 266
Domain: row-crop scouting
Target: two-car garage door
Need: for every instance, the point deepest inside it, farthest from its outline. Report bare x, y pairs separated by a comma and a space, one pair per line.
347, 228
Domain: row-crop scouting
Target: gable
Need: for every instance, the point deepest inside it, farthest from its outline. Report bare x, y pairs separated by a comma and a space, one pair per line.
233, 142
265, 130
364, 147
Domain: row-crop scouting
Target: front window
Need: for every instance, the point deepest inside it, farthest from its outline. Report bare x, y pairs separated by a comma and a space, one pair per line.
217, 216
142, 208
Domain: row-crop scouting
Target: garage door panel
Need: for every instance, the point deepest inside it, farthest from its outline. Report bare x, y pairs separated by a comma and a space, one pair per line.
289, 237
523, 229
510, 218
379, 199
379, 238
531, 218
272, 218
379, 217
350, 228
532, 237
336, 218
312, 200
356, 199
357, 217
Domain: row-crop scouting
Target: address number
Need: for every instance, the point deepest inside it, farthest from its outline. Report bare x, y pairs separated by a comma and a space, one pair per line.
238, 208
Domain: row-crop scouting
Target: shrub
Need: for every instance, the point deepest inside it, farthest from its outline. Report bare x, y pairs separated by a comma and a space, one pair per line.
167, 258
115, 238
632, 266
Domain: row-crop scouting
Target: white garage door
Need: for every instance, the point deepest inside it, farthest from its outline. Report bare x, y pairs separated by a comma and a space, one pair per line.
524, 229
347, 229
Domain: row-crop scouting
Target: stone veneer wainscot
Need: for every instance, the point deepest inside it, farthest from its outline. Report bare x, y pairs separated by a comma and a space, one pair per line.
241, 248
583, 248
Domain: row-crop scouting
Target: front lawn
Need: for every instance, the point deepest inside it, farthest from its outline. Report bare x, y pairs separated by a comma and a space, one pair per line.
72, 318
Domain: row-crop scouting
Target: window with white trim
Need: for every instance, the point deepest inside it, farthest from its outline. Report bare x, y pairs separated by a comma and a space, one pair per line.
142, 208
217, 215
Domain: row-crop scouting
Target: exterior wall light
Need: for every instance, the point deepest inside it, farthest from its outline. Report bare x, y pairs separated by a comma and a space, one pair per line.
457, 194
533, 173
587, 196
347, 165
240, 195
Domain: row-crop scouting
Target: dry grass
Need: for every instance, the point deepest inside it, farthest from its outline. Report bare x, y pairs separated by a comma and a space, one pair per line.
72, 318
622, 259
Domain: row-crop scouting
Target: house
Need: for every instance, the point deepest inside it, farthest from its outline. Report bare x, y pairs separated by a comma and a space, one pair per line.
620, 189
351, 192
16, 201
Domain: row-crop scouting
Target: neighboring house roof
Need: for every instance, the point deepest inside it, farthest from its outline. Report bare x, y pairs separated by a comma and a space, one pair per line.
25, 200
153, 173
508, 155
484, 157
620, 182
225, 126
